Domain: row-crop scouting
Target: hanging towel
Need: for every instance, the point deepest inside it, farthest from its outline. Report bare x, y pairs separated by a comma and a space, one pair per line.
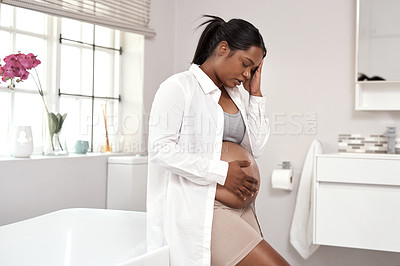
301, 231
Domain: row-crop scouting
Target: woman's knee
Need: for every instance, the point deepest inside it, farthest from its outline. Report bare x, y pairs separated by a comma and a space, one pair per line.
263, 254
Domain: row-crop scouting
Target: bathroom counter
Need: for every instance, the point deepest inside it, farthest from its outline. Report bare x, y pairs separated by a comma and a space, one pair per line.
384, 156
70, 155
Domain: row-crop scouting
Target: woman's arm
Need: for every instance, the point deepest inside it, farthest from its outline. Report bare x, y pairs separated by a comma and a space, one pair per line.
259, 128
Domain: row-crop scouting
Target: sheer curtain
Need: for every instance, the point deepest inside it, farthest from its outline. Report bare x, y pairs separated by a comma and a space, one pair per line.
126, 15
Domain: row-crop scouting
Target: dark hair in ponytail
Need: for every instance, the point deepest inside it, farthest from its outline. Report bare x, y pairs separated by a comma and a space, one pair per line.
238, 33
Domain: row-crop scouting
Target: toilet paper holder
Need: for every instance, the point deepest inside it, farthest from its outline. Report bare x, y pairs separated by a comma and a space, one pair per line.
285, 165
283, 178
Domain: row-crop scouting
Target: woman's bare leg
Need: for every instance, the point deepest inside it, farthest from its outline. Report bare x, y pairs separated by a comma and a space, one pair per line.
263, 254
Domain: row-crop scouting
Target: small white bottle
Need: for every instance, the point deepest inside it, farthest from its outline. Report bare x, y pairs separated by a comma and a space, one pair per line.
23, 142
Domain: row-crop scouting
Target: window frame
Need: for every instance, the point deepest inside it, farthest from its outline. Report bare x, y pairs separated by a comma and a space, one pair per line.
51, 74
114, 34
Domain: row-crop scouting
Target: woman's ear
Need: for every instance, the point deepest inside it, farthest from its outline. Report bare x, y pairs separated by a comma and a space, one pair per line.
223, 48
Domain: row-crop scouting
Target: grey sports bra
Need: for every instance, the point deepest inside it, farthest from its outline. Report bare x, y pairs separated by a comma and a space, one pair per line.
234, 127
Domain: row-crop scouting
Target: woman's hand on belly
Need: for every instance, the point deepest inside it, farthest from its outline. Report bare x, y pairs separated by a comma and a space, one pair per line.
232, 152
230, 199
238, 181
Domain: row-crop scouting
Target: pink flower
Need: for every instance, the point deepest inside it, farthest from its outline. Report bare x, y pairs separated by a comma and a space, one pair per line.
2, 71
28, 61
23, 73
17, 66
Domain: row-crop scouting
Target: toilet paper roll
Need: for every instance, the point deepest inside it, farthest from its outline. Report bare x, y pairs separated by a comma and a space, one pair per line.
282, 179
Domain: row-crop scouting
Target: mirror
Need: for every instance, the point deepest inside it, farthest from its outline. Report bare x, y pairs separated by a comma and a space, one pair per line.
378, 49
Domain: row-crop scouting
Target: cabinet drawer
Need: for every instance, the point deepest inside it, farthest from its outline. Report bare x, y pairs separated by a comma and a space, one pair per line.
357, 216
358, 170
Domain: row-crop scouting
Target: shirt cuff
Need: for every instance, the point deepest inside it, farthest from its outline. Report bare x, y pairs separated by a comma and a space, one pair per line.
258, 99
257, 104
218, 171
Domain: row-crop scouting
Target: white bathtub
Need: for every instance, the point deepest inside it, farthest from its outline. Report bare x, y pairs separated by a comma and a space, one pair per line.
84, 237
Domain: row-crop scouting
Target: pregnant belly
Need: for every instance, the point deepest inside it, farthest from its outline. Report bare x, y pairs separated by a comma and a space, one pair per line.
231, 152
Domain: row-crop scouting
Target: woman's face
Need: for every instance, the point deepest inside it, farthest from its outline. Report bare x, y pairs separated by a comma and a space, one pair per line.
237, 66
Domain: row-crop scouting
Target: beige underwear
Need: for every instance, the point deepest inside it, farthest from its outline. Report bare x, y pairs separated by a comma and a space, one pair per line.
235, 232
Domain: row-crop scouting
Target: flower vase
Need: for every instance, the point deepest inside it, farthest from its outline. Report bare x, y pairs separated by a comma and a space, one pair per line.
53, 144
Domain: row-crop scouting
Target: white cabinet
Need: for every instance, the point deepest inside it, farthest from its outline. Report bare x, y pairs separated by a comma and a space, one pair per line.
357, 201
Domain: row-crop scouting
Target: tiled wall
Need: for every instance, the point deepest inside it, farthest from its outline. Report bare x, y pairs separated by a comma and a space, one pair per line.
374, 143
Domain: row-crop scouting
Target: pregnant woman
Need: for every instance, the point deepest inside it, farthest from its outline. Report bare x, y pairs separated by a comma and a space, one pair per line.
236, 237
206, 126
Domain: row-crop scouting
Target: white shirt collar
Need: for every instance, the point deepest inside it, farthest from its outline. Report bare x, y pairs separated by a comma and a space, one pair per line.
205, 82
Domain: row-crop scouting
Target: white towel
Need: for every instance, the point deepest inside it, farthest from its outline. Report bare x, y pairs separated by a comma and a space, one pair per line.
301, 231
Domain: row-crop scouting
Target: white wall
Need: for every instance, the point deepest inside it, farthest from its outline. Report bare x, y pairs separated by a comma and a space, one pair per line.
160, 50
309, 70
32, 187
131, 106
159, 58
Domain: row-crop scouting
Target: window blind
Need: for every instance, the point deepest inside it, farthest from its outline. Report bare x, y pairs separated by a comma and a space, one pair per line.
125, 15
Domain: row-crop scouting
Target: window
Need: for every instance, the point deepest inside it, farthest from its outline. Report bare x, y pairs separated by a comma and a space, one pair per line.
81, 74
89, 74
22, 106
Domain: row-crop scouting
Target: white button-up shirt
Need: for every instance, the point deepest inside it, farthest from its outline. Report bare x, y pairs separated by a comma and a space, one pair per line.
185, 140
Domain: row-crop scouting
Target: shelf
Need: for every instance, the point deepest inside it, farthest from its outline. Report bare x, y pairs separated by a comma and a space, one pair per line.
379, 82
378, 96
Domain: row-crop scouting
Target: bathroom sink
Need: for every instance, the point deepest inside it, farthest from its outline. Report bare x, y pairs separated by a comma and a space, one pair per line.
86, 237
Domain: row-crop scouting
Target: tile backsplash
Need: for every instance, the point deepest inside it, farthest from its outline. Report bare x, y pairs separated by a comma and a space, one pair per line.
373, 143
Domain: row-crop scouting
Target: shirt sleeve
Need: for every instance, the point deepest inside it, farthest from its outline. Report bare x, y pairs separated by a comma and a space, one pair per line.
165, 122
259, 128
